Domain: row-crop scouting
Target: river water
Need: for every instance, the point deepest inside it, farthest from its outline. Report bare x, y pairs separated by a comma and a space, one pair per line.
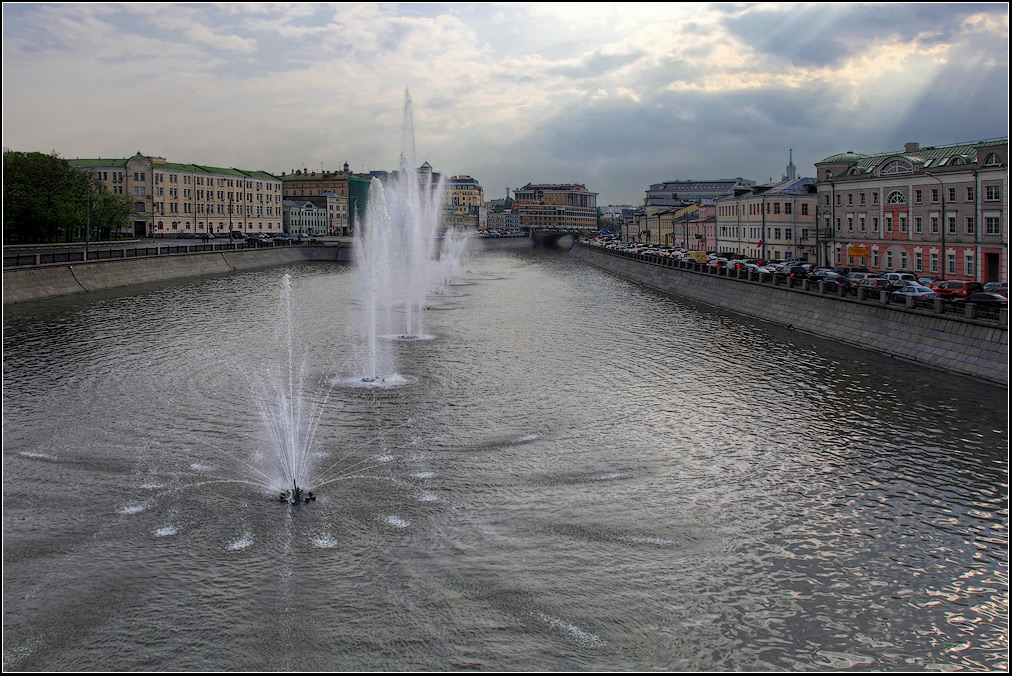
578, 474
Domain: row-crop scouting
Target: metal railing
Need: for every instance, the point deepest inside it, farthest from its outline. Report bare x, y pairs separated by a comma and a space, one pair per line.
104, 253
956, 309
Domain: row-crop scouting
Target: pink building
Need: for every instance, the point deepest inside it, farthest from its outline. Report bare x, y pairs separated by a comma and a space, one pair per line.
937, 211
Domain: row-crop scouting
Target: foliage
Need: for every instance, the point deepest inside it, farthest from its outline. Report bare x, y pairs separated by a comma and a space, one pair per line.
47, 200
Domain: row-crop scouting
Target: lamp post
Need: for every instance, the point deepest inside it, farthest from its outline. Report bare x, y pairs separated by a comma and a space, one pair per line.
942, 225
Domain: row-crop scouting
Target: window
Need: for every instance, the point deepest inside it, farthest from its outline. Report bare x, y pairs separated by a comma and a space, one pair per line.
838, 200
874, 198
850, 199
776, 233
903, 223
850, 224
934, 225
897, 167
934, 195
971, 227
992, 192
860, 222
838, 225
903, 260
874, 259
889, 260
992, 225
918, 225
952, 263
917, 196
917, 261
970, 194
970, 269
862, 199
787, 207
952, 225
934, 262
889, 225
776, 207
952, 194
787, 234
896, 197
874, 224
992, 159
804, 209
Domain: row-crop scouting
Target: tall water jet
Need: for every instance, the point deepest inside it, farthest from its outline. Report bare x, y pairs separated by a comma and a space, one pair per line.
396, 256
290, 420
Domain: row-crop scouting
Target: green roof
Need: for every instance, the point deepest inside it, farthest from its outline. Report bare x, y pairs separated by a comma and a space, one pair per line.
97, 163
179, 166
931, 156
853, 158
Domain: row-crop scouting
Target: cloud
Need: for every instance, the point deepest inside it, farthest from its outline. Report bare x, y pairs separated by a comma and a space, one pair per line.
614, 95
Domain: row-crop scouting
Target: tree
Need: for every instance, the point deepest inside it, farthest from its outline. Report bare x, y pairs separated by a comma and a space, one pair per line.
109, 212
46, 200
44, 197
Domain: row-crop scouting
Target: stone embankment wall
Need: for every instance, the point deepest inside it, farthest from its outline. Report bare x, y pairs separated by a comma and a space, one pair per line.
47, 281
963, 346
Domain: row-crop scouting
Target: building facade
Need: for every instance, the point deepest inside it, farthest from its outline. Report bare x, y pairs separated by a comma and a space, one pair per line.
940, 211
463, 198
568, 206
351, 190
770, 222
679, 193
304, 218
690, 227
172, 199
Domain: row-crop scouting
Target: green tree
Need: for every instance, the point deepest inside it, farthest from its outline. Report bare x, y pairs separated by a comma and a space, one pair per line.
109, 212
44, 197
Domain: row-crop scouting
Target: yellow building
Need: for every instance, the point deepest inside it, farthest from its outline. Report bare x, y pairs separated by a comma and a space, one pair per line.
463, 198
172, 199
569, 206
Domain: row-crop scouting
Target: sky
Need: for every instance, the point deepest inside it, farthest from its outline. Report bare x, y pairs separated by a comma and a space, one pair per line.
614, 96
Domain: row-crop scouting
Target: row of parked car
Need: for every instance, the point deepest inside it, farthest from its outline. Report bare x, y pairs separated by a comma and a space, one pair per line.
900, 285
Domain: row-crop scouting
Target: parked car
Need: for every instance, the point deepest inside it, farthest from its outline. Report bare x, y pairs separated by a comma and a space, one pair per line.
957, 288
997, 287
795, 271
915, 290
988, 299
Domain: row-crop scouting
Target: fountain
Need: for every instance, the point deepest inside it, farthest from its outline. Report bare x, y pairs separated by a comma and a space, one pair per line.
396, 259
290, 420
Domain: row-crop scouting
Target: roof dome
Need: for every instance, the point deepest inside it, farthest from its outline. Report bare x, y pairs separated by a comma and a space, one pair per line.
849, 157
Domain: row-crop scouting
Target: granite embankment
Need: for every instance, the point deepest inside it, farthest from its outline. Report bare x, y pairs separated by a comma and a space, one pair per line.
966, 346
23, 284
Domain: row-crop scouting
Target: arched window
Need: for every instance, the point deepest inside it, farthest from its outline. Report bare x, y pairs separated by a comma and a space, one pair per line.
992, 159
896, 197
956, 161
897, 167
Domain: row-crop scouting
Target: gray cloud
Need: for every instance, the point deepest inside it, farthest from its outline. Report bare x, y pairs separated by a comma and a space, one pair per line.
828, 33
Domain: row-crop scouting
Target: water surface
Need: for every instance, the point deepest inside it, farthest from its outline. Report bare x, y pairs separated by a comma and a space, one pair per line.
578, 473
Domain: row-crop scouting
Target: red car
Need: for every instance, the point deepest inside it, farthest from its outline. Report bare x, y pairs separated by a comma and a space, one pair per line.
957, 289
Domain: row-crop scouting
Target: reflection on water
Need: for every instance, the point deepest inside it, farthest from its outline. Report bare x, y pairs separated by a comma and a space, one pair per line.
578, 474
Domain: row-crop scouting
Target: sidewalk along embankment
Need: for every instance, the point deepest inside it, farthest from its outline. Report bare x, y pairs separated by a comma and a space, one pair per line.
964, 346
26, 284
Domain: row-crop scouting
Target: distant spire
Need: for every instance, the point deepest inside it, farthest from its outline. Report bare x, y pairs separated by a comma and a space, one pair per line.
792, 172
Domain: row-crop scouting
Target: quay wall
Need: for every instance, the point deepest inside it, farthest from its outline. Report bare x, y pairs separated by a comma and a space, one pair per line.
964, 346
30, 283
